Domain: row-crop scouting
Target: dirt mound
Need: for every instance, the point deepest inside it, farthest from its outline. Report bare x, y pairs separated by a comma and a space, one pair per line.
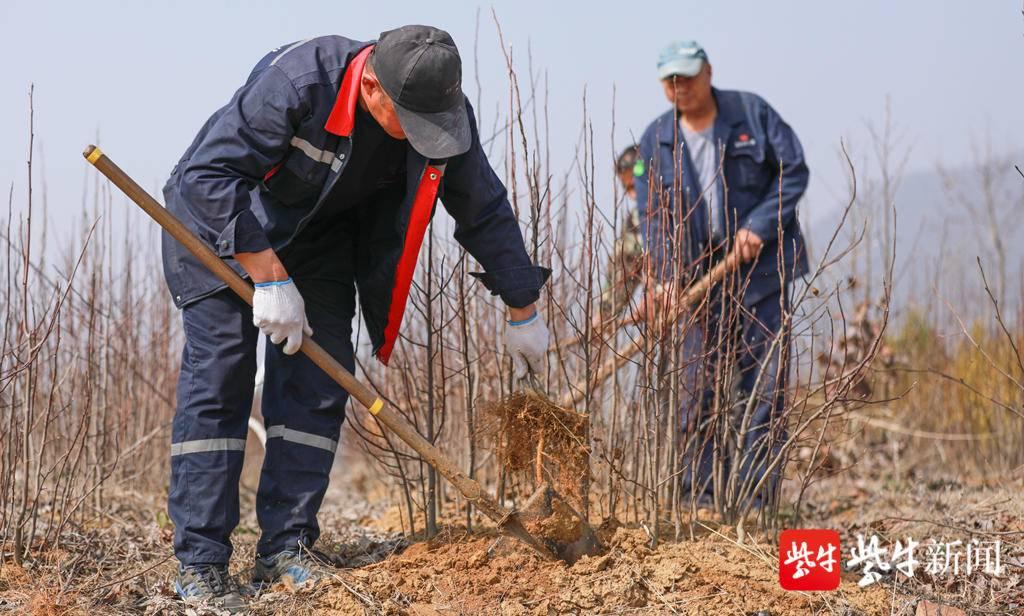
457, 574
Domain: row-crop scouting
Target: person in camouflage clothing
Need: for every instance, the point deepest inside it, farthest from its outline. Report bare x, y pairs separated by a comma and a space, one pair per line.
625, 264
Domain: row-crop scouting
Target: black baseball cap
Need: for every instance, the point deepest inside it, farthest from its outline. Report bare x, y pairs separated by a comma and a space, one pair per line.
420, 70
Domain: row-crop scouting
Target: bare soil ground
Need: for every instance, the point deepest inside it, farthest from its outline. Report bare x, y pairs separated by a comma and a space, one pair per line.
119, 560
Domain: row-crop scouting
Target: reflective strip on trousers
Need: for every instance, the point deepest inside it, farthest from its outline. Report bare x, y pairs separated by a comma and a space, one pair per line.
208, 444
302, 438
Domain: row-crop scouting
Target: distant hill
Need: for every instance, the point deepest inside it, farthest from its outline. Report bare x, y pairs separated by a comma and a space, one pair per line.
945, 222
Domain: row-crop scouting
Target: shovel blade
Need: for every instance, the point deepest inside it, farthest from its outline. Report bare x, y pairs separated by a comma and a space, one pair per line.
563, 529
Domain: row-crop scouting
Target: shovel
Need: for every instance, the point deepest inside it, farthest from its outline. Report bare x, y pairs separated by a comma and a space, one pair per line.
689, 298
507, 520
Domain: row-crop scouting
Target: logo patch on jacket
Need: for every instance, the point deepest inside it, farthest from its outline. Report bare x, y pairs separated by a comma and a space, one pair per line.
639, 168
744, 141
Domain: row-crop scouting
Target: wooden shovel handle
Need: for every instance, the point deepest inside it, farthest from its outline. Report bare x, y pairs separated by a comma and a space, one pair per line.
692, 296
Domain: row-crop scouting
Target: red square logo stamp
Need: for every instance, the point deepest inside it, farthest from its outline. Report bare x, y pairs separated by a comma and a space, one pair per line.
809, 559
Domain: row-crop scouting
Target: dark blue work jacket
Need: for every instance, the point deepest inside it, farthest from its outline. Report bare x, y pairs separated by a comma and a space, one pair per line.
262, 166
757, 144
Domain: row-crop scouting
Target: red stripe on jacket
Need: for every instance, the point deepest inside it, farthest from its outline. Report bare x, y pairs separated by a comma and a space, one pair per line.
422, 206
343, 115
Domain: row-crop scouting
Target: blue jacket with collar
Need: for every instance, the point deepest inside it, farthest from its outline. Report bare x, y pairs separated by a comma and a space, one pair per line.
262, 166
757, 144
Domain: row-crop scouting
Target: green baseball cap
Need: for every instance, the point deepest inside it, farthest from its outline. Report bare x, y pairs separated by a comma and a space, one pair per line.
684, 58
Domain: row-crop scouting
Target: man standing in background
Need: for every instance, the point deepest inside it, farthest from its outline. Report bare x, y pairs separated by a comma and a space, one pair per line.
720, 175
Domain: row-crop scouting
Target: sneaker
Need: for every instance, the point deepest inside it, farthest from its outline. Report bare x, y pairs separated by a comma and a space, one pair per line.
209, 585
293, 568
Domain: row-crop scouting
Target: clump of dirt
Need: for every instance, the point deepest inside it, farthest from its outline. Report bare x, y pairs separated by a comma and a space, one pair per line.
537, 438
562, 525
458, 574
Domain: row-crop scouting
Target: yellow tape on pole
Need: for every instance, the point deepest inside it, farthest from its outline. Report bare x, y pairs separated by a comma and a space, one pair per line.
94, 156
377, 405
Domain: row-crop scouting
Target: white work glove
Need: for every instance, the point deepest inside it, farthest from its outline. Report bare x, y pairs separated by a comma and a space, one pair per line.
280, 313
527, 342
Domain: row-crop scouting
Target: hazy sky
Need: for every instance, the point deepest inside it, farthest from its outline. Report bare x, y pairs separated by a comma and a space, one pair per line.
145, 75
